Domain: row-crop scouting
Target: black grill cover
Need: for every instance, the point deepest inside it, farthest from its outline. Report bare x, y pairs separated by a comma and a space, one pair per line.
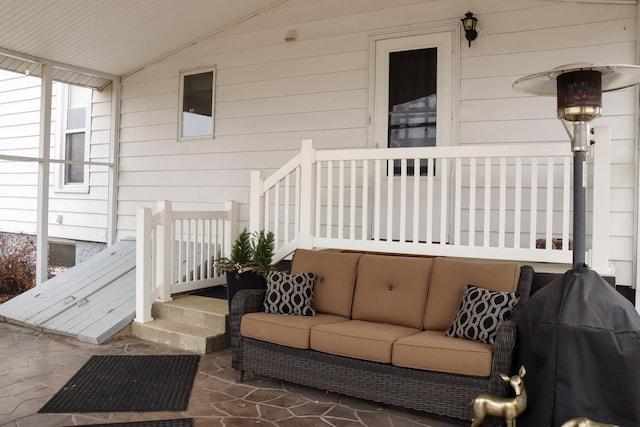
579, 340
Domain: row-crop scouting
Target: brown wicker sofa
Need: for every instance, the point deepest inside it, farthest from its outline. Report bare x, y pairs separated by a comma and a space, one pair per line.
378, 332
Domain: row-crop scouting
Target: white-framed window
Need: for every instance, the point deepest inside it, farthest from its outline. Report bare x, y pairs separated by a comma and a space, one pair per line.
413, 92
197, 104
74, 124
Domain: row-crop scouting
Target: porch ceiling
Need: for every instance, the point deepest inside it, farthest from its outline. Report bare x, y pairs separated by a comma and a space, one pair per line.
89, 42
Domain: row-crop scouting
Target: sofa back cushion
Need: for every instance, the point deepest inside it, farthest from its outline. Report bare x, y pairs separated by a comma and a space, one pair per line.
391, 289
335, 278
450, 276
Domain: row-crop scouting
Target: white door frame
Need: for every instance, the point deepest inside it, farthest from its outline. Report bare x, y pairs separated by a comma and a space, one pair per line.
447, 41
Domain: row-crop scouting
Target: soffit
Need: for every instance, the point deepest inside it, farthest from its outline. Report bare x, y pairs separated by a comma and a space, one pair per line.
91, 41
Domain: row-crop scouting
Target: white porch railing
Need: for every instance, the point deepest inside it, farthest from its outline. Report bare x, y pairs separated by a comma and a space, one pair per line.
175, 251
510, 202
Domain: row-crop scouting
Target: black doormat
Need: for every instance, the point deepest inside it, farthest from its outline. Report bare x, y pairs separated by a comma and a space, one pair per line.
128, 384
183, 422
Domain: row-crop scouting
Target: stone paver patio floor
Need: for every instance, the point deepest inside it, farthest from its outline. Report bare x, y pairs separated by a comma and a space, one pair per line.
35, 365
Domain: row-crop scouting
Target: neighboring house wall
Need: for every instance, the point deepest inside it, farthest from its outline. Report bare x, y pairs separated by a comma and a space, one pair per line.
72, 215
271, 94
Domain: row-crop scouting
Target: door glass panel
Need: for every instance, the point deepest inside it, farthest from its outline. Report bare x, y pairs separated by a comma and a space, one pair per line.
412, 102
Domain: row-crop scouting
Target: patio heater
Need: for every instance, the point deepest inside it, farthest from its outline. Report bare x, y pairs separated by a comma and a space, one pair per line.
578, 338
578, 88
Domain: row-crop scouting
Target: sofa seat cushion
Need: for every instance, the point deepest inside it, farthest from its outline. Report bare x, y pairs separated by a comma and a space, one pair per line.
433, 351
392, 289
289, 330
450, 276
336, 277
359, 339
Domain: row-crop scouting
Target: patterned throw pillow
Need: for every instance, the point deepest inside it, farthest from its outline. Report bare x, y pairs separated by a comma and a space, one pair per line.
289, 293
481, 311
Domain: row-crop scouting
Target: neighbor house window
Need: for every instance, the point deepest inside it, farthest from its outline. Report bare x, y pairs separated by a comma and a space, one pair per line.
74, 124
197, 104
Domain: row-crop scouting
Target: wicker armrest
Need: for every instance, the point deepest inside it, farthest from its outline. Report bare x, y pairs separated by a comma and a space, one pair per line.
503, 350
502, 357
244, 301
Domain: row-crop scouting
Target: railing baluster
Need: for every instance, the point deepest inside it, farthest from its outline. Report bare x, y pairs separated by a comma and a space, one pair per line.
209, 247
267, 210
296, 216
566, 201
457, 201
390, 181
365, 200
502, 222
181, 251
430, 206
352, 212
201, 235
276, 213
194, 255
287, 207
403, 200
377, 200
329, 198
318, 196
549, 217
444, 200
487, 202
340, 199
472, 201
517, 208
416, 201
534, 203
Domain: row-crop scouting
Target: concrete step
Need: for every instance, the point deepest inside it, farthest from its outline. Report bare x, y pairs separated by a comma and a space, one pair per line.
193, 310
192, 323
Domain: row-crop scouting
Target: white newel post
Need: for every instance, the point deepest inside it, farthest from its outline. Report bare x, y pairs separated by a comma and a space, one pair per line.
256, 202
165, 242
601, 199
230, 226
143, 266
307, 194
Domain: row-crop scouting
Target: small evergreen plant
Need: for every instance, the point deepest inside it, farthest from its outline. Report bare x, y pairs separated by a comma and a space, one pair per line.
263, 245
241, 250
249, 253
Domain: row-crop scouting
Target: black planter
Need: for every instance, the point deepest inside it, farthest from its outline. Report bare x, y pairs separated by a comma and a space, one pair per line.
246, 280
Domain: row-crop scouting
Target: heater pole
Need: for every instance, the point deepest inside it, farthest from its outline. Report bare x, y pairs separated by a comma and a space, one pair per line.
580, 147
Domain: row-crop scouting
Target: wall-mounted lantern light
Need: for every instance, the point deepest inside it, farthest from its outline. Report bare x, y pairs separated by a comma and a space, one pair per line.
469, 23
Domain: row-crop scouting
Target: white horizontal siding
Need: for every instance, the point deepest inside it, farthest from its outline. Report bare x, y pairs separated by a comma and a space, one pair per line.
271, 94
84, 215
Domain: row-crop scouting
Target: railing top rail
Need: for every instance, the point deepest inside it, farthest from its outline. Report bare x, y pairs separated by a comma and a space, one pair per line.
466, 151
183, 215
285, 170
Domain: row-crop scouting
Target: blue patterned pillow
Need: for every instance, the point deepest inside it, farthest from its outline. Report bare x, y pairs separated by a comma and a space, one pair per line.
481, 311
289, 293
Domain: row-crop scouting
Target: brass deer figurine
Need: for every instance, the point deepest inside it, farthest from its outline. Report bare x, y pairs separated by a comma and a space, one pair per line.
585, 422
508, 408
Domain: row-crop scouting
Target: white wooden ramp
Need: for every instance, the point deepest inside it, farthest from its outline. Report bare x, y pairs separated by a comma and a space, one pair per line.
91, 301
